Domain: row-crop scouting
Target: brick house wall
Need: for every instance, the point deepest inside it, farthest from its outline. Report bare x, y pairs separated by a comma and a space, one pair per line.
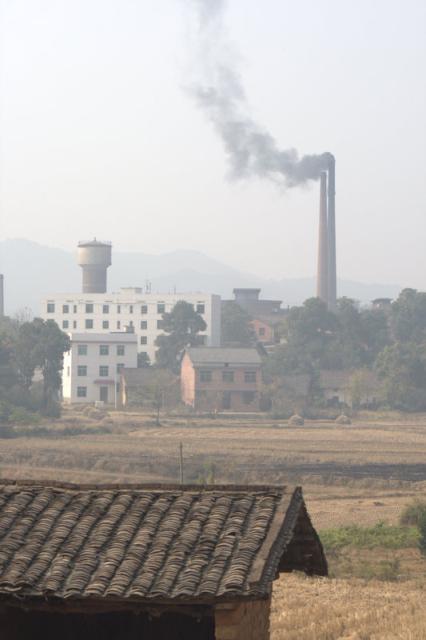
265, 333
244, 621
217, 394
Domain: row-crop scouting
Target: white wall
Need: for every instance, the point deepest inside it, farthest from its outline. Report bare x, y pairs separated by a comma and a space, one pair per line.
125, 307
94, 379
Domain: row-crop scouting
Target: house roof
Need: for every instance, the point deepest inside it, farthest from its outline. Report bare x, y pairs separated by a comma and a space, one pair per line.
141, 543
220, 356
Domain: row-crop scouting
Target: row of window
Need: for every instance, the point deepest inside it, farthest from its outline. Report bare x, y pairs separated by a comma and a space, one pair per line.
227, 376
248, 397
103, 370
103, 392
89, 308
104, 349
88, 324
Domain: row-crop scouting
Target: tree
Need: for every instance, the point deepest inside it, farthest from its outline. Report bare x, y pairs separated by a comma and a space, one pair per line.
158, 390
408, 316
48, 354
182, 327
402, 367
235, 327
143, 360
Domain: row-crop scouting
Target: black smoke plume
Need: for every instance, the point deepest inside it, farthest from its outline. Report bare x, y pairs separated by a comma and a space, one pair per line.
251, 150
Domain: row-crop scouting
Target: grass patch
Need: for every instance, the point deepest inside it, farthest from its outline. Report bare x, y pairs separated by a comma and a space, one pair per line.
381, 535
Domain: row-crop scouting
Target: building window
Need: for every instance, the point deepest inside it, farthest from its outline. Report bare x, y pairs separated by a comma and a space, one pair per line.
81, 370
261, 331
65, 308
201, 307
81, 392
82, 349
89, 307
89, 324
65, 324
119, 308
131, 308
248, 397
118, 324
144, 308
144, 324
228, 376
105, 308
159, 324
103, 371
144, 340
120, 366
105, 324
161, 307
50, 307
74, 309
250, 376
103, 350
205, 376
74, 324
121, 350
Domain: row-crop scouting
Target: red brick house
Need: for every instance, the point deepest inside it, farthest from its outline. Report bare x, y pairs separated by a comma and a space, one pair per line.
219, 379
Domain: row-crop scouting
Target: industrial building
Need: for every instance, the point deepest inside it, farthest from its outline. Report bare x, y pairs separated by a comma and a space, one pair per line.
131, 308
92, 366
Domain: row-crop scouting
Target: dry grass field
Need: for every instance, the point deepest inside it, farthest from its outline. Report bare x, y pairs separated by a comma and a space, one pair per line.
360, 474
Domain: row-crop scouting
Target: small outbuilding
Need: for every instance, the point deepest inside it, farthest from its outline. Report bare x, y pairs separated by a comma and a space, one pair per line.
117, 562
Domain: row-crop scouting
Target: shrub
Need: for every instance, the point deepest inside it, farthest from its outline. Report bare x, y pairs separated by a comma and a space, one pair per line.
19, 415
413, 513
422, 532
381, 535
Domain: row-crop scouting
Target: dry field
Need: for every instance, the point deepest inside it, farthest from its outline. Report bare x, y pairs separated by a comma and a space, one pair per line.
361, 474
323, 609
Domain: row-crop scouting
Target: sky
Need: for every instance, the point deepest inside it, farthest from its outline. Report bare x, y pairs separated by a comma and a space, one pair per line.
99, 137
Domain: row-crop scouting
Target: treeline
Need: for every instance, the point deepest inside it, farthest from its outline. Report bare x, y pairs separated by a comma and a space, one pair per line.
31, 360
389, 340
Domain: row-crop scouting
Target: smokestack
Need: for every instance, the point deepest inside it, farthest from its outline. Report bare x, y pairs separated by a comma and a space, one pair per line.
1, 295
94, 258
322, 271
331, 223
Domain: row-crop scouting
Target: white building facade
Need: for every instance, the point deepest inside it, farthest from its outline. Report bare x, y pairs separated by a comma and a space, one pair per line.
130, 307
92, 366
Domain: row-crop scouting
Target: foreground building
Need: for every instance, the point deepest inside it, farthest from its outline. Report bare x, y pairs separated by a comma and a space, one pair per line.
92, 366
129, 308
225, 379
148, 562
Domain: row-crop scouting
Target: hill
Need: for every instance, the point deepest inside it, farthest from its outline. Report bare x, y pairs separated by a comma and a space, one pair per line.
32, 270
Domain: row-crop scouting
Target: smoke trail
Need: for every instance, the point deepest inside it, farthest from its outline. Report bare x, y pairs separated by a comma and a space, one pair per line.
251, 150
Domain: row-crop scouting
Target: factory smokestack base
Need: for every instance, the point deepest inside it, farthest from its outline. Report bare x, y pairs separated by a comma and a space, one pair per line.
331, 223
322, 272
94, 258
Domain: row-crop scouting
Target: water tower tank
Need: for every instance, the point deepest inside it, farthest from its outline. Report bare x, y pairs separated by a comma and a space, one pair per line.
94, 258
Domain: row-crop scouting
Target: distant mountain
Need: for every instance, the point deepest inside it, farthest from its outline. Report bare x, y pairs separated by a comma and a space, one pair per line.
32, 270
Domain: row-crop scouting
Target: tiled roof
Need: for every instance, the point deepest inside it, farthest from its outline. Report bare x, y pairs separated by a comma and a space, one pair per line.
144, 543
220, 356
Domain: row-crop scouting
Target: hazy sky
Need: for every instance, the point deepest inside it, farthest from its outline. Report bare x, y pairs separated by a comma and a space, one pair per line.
98, 137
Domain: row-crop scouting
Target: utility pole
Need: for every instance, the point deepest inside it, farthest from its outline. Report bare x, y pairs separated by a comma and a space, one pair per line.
181, 462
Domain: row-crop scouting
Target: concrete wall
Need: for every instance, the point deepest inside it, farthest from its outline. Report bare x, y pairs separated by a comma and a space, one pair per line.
245, 621
187, 381
115, 311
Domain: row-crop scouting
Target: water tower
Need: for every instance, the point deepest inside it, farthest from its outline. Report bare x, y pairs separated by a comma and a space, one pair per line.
94, 258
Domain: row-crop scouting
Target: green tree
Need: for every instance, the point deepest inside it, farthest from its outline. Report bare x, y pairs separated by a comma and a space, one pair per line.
48, 353
402, 367
408, 316
235, 325
181, 329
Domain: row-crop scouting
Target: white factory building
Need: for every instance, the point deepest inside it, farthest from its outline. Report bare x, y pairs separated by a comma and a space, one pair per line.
129, 308
92, 366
